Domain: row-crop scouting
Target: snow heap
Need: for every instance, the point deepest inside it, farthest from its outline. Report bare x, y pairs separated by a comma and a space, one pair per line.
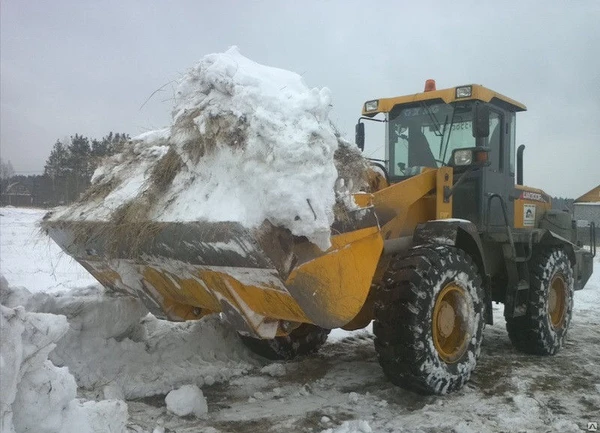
35, 394
247, 143
355, 426
133, 354
187, 400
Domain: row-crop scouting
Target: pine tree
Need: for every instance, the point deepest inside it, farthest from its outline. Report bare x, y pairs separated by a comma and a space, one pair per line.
56, 169
56, 164
79, 165
73, 160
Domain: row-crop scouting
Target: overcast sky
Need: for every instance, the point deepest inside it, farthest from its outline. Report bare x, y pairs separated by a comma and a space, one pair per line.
88, 66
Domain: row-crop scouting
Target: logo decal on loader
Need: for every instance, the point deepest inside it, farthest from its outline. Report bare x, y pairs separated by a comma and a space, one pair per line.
528, 215
535, 196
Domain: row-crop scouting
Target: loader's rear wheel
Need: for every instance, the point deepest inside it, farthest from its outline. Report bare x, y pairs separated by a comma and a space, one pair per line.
301, 341
543, 329
429, 319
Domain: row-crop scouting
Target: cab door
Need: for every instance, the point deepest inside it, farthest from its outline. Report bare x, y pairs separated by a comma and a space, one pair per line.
498, 177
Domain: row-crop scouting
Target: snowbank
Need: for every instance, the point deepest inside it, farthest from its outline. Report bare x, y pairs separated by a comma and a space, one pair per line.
112, 346
247, 143
35, 394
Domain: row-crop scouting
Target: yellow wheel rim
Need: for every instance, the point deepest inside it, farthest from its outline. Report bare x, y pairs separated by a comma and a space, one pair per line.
450, 328
557, 301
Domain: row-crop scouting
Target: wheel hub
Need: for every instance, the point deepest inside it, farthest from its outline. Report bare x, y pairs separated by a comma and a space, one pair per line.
557, 301
446, 318
450, 323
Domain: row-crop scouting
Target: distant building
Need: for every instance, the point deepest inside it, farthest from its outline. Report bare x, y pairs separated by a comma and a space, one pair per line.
587, 207
17, 194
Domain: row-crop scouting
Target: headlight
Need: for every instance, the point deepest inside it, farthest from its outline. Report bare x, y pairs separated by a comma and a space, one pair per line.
371, 105
464, 92
463, 157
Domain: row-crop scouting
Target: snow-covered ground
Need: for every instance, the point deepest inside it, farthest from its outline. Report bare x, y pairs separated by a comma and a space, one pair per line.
32, 260
130, 372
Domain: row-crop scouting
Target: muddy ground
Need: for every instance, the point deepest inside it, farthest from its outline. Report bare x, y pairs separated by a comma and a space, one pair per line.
509, 391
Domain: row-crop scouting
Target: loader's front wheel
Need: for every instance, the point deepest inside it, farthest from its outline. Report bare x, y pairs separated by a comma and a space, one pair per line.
429, 319
301, 341
543, 329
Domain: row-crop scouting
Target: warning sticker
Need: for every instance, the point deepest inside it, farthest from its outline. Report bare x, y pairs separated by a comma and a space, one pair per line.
528, 215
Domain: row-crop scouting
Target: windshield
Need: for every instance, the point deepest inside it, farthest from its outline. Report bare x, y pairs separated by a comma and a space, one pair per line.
425, 135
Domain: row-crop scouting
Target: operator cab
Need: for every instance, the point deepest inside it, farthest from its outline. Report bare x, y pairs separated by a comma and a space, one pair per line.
470, 128
427, 134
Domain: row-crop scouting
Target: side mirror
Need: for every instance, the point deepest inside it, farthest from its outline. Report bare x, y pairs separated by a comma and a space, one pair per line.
481, 121
360, 135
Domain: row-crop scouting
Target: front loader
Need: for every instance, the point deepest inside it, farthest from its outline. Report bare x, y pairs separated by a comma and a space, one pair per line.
442, 233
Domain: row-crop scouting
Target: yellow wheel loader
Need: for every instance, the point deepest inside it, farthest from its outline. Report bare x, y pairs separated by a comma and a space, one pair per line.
442, 233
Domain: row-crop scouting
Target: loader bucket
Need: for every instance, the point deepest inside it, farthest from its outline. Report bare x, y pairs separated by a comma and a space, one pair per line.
264, 280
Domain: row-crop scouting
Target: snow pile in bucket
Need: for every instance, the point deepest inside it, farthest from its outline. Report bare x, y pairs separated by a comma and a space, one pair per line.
36, 395
247, 143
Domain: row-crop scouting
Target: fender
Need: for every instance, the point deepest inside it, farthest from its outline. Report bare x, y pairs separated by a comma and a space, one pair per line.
550, 238
581, 259
461, 234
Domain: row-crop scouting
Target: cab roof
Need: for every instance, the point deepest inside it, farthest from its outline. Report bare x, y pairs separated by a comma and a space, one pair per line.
478, 93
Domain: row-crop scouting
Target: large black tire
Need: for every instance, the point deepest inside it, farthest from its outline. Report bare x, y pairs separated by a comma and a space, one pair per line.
301, 341
421, 342
543, 329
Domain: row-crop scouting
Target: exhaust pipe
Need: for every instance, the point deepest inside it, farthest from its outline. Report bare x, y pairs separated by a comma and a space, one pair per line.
520, 151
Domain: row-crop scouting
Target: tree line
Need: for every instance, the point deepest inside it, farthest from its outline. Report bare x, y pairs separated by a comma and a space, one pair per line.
67, 172
71, 164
